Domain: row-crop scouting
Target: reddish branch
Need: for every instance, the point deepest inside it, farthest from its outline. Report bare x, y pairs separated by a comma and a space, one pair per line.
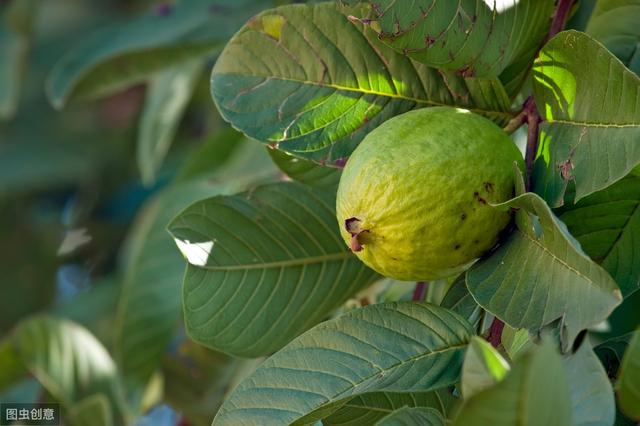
420, 291
530, 115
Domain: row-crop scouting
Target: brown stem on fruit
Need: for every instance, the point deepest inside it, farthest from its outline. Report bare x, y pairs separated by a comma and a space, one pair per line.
420, 291
352, 226
495, 332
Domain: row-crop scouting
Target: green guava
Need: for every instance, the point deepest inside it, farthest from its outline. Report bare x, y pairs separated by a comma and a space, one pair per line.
414, 197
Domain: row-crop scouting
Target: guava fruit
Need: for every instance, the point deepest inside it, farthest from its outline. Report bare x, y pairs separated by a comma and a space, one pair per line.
414, 198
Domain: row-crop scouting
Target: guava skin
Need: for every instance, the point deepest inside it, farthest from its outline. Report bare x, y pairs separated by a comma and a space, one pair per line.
413, 199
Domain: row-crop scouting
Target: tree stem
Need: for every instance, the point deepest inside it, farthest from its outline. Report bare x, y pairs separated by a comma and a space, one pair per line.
420, 291
533, 120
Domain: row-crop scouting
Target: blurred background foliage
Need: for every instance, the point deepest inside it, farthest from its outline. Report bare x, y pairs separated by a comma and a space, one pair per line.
107, 130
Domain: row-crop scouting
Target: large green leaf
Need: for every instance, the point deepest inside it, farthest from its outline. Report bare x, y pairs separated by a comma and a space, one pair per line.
615, 24
611, 351
167, 96
460, 301
607, 224
473, 37
534, 393
122, 54
590, 105
93, 410
16, 23
628, 385
483, 367
368, 408
264, 266
399, 346
592, 397
540, 274
415, 416
305, 79
69, 362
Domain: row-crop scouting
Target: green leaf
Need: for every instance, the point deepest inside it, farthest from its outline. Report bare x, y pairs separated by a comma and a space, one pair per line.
369, 408
305, 171
628, 384
460, 301
16, 23
93, 410
607, 224
614, 24
305, 79
590, 105
149, 306
69, 362
264, 266
471, 37
12, 371
123, 54
212, 152
413, 416
167, 96
592, 398
540, 274
611, 351
515, 341
396, 347
534, 393
483, 367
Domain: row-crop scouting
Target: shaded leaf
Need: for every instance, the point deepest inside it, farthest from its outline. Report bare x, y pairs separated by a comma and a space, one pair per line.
305, 171
305, 79
210, 153
472, 37
535, 392
401, 346
122, 54
12, 371
264, 266
615, 24
515, 341
540, 274
413, 416
592, 398
607, 224
628, 384
149, 305
371, 407
167, 96
590, 104
483, 367
460, 301
611, 351
93, 410
16, 23
69, 362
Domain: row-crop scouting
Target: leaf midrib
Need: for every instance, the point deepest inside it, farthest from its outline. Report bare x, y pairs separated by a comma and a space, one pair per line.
505, 114
596, 125
328, 257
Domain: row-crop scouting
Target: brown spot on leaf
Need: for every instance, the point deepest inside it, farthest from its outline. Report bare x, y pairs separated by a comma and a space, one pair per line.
566, 169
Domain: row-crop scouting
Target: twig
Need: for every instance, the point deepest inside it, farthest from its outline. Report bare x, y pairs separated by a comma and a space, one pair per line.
533, 120
560, 17
420, 291
495, 332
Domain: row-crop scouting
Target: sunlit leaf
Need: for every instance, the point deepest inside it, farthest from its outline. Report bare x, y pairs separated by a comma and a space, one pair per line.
607, 224
400, 346
540, 274
483, 367
590, 105
307, 80
305, 171
264, 266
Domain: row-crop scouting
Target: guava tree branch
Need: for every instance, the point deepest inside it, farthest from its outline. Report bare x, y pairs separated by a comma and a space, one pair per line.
420, 291
531, 116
